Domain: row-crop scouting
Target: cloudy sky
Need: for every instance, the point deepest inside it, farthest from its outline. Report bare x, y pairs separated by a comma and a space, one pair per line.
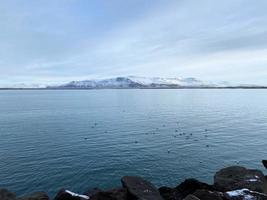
56, 41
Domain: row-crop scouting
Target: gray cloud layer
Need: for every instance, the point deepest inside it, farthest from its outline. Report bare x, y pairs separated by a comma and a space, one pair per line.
54, 41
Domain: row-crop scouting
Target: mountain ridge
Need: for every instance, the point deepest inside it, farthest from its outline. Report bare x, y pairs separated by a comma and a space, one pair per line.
139, 82
136, 82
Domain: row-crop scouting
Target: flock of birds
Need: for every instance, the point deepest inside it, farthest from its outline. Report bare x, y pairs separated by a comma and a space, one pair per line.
177, 133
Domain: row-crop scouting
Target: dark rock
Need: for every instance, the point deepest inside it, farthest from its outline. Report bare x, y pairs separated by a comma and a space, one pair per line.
167, 193
114, 194
64, 195
264, 162
208, 195
35, 196
189, 186
244, 194
140, 189
7, 195
191, 197
93, 191
235, 177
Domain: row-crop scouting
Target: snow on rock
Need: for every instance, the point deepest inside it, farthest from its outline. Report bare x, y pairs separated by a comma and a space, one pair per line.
77, 195
241, 193
245, 194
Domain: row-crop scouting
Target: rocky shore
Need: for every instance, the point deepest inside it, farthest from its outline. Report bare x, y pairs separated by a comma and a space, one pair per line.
231, 183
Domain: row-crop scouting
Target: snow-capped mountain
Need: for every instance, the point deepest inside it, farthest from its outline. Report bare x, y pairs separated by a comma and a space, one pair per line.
138, 82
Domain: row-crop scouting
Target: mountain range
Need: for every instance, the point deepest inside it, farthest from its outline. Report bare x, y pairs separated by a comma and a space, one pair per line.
139, 82
128, 82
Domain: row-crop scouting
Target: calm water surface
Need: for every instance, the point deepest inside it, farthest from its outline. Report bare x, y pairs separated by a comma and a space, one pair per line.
79, 139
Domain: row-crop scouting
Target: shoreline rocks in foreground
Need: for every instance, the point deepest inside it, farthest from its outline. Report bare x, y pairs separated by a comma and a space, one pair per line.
231, 183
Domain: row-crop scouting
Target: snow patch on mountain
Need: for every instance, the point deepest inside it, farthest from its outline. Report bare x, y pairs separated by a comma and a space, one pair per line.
166, 81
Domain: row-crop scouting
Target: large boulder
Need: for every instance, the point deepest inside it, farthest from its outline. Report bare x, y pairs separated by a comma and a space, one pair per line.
167, 193
208, 195
35, 196
244, 194
264, 162
191, 197
236, 177
7, 195
92, 191
189, 186
114, 194
140, 189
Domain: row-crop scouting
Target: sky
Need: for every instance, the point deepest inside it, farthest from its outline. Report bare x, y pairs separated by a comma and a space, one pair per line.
51, 42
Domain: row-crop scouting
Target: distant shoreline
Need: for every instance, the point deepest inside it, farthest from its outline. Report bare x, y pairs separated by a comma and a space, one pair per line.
144, 88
